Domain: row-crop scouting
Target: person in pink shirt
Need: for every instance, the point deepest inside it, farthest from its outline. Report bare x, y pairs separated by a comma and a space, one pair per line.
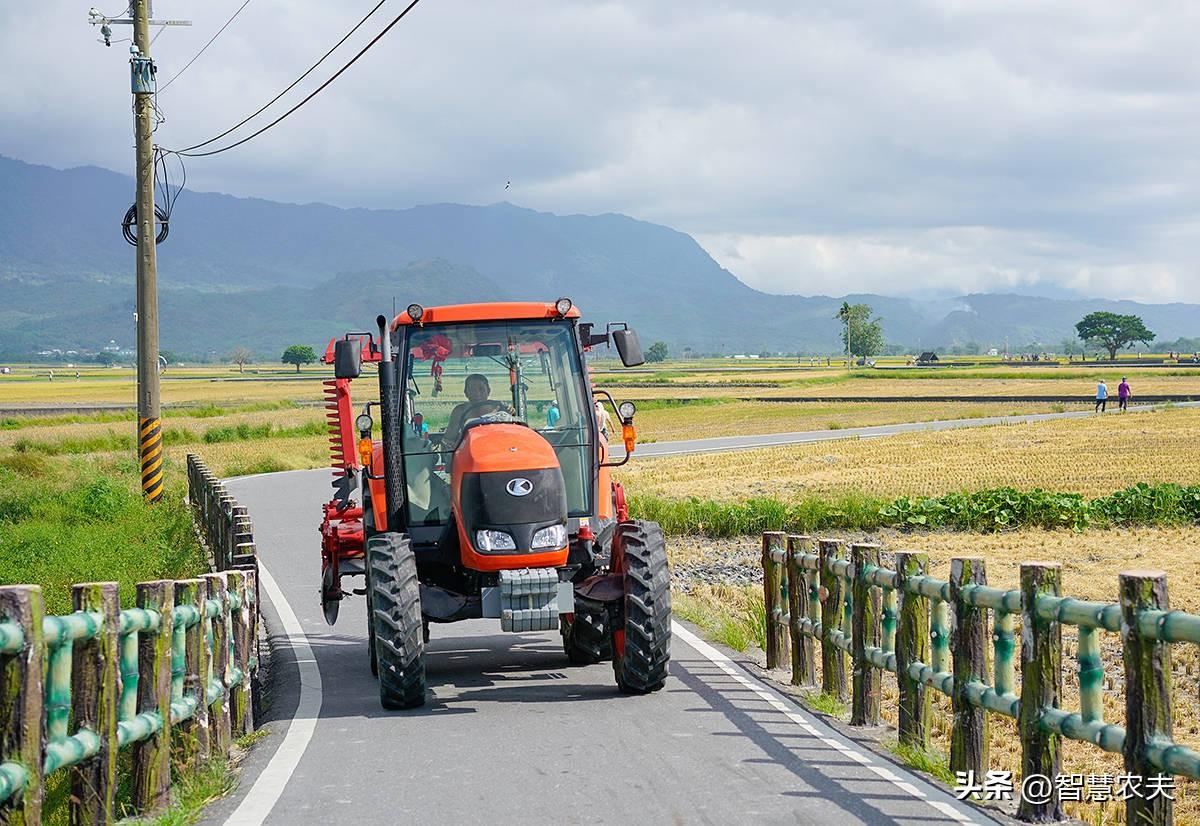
1123, 393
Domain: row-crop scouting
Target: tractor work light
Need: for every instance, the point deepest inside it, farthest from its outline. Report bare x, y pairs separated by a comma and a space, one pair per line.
554, 536
629, 436
415, 312
494, 541
626, 411
364, 423
562, 306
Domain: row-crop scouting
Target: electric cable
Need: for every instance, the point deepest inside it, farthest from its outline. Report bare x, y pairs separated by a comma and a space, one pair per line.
188, 153
176, 76
294, 83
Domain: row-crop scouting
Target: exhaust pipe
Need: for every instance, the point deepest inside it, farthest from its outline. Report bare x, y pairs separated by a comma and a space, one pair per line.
390, 418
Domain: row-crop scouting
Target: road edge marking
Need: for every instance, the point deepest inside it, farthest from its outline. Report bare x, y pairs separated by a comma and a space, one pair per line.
260, 801
863, 758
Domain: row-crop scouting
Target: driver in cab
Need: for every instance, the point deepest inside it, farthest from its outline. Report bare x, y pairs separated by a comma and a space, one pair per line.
477, 390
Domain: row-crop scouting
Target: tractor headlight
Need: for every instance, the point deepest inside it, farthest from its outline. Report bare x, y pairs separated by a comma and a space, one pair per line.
626, 411
415, 313
494, 541
554, 536
363, 423
562, 306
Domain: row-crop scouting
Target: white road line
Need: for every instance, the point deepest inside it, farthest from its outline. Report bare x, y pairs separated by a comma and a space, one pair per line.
256, 806
732, 670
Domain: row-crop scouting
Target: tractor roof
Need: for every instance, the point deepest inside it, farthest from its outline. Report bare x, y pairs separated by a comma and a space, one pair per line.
499, 311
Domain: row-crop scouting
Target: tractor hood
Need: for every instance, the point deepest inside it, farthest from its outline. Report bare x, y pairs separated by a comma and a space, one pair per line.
509, 498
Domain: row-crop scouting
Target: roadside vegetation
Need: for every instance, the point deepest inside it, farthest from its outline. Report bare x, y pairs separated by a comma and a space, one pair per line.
64, 521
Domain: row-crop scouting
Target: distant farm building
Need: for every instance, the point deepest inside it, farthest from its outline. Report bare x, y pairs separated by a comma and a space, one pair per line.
928, 357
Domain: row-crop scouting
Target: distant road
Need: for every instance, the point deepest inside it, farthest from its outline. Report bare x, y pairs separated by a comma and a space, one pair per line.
749, 442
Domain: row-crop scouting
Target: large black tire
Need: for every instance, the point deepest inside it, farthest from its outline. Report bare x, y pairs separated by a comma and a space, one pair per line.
585, 638
645, 613
395, 597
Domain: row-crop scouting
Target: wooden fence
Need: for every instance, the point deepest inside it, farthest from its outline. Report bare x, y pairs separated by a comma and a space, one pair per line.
169, 680
933, 635
224, 524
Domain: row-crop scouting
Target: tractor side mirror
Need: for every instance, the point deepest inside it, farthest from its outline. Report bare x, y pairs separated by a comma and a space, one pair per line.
628, 347
347, 359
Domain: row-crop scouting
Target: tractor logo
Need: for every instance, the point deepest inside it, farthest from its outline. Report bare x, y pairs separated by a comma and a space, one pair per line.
519, 487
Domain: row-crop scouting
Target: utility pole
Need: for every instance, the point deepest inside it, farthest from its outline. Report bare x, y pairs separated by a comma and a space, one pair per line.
150, 447
142, 83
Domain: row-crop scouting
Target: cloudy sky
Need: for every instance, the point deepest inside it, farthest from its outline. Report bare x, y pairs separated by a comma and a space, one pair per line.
811, 147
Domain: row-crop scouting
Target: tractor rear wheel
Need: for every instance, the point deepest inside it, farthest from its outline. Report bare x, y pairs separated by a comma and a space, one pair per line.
395, 597
641, 648
585, 636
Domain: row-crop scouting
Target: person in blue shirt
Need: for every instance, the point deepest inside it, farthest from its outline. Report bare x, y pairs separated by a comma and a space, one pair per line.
1101, 396
553, 414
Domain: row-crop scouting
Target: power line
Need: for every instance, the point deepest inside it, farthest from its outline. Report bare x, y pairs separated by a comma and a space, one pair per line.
206, 45
293, 84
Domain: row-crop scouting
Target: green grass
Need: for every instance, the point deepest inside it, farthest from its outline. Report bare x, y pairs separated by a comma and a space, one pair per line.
826, 704
739, 629
990, 510
65, 521
193, 791
113, 442
932, 762
203, 411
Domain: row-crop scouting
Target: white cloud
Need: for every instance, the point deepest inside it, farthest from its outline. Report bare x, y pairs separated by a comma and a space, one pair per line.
934, 144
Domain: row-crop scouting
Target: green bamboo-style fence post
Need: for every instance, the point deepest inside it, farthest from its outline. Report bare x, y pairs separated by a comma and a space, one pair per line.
221, 731
1041, 688
803, 667
772, 541
912, 648
95, 688
192, 735
833, 659
152, 756
865, 632
1147, 690
969, 738
887, 622
22, 727
241, 714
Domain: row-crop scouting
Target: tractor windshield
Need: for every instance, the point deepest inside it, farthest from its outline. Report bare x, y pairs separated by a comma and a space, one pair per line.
528, 371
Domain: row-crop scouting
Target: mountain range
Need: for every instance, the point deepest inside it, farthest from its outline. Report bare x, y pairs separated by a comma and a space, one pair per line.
263, 274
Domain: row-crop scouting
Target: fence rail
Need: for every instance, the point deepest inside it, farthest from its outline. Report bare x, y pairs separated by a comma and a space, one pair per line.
934, 635
169, 679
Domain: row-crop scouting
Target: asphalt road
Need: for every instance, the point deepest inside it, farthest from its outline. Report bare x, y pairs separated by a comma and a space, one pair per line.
513, 733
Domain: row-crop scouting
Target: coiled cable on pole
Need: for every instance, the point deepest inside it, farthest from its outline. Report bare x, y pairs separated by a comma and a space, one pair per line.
130, 222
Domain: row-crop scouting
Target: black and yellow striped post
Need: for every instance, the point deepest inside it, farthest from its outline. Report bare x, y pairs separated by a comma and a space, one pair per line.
150, 452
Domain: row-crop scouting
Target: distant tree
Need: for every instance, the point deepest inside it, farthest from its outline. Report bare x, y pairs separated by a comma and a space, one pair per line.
657, 352
1113, 332
299, 354
241, 355
106, 358
861, 334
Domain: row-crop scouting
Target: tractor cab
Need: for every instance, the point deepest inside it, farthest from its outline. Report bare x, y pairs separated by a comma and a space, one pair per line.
489, 495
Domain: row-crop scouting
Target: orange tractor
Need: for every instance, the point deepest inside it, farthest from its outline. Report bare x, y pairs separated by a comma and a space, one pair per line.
490, 493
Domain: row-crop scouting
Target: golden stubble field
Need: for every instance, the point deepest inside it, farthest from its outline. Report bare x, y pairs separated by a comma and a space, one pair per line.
1092, 455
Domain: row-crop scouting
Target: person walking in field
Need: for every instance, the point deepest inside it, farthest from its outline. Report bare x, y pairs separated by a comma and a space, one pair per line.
603, 419
1123, 394
1101, 396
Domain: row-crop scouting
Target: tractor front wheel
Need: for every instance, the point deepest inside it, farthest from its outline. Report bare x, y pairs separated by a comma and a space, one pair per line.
395, 599
641, 640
